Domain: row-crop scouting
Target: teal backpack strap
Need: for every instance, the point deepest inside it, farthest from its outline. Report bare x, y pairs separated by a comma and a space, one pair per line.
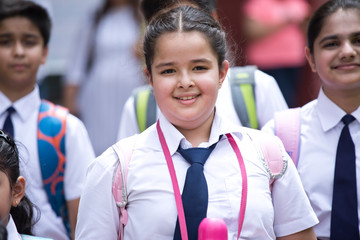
51, 147
145, 106
242, 80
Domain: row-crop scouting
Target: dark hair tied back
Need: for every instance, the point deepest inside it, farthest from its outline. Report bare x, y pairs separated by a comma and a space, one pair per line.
184, 19
319, 17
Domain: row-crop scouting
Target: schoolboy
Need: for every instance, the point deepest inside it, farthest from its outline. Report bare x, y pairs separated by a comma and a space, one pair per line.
24, 36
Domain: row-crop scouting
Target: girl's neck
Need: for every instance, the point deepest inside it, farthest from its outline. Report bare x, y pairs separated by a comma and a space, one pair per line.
199, 134
347, 100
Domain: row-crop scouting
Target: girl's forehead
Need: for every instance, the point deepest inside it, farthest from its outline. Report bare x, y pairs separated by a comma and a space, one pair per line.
341, 22
180, 43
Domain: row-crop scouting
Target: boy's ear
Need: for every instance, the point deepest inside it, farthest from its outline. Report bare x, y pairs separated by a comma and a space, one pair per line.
223, 72
18, 191
45, 54
148, 76
310, 59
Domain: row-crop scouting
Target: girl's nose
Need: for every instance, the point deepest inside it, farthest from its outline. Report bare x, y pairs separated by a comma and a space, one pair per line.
347, 51
185, 81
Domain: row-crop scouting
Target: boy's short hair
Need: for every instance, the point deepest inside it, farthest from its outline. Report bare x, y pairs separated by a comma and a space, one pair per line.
30, 10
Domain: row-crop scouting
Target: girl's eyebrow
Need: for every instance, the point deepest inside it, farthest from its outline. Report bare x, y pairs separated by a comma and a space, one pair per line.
166, 64
334, 37
331, 37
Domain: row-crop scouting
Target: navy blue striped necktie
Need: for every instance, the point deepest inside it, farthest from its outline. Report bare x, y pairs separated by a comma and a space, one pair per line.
8, 125
195, 192
344, 214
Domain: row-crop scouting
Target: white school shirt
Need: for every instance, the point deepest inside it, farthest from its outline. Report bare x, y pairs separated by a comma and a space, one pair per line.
79, 153
115, 72
151, 206
320, 132
268, 100
12, 230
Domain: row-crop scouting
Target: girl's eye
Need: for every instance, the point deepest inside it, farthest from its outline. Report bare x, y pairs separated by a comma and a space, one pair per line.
199, 68
168, 71
356, 40
330, 44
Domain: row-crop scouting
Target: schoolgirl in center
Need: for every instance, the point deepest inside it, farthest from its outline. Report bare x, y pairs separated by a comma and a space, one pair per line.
185, 51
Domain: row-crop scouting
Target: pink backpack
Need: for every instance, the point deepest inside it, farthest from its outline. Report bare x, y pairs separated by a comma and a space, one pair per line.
269, 150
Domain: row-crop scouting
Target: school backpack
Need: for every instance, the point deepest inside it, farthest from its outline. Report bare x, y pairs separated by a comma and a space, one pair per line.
287, 128
51, 148
269, 150
242, 84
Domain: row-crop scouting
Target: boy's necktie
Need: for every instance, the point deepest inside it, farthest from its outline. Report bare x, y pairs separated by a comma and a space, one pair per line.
8, 125
344, 214
195, 192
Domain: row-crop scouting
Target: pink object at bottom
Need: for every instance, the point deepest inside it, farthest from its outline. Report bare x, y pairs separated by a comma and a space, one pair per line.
213, 229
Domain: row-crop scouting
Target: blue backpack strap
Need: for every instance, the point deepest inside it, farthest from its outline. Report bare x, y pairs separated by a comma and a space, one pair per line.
28, 237
145, 107
51, 147
287, 128
242, 80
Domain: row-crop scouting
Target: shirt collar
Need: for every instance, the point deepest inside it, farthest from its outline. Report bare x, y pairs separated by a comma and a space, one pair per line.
174, 138
11, 229
329, 113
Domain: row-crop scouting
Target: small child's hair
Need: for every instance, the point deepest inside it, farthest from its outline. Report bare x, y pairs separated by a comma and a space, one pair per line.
319, 17
151, 8
184, 19
9, 164
30, 10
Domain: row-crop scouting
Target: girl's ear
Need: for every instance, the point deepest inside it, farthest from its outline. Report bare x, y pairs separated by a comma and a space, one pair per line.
223, 72
310, 59
18, 191
148, 76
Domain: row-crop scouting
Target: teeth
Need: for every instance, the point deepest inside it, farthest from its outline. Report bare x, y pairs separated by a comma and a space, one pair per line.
187, 98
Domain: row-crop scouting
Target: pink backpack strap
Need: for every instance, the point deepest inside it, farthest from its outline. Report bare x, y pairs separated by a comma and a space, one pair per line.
123, 150
271, 152
275, 161
287, 128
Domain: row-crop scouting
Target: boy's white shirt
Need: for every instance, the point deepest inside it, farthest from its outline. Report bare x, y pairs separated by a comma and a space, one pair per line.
269, 100
152, 211
79, 153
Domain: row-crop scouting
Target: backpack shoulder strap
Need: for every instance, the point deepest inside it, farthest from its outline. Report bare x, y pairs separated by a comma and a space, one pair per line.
123, 150
287, 128
145, 106
51, 148
270, 151
242, 82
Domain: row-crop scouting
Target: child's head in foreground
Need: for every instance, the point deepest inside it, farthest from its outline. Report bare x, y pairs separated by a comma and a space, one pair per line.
185, 52
12, 188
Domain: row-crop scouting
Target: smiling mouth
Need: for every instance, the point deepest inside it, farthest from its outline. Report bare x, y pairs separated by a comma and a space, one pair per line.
187, 98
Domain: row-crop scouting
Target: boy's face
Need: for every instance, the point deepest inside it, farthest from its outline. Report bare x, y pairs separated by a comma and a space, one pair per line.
21, 53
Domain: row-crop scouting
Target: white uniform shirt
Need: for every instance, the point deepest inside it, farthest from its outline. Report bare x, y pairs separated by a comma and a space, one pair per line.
79, 153
151, 207
320, 131
268, 100
114, 74
12, 230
